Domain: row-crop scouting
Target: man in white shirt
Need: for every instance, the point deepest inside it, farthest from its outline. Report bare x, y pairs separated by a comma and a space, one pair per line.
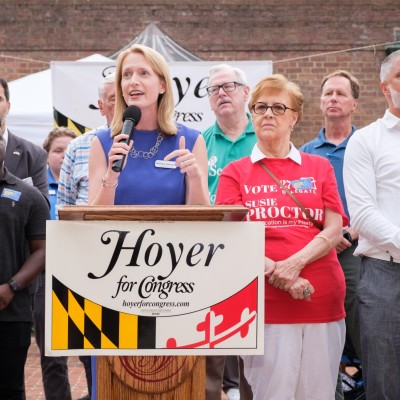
372, 185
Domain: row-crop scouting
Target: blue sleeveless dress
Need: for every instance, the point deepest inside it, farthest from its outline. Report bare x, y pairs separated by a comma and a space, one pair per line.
141, 182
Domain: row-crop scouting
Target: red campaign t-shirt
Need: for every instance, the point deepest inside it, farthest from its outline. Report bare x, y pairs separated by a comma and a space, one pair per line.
287, 229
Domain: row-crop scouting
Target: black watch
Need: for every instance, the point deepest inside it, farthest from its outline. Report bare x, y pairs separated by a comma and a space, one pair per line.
347, 236
14, 286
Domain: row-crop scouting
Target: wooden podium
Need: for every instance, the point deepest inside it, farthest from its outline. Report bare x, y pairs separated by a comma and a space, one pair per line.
151, 377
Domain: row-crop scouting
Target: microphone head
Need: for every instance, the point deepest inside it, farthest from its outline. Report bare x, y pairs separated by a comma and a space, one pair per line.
132, 112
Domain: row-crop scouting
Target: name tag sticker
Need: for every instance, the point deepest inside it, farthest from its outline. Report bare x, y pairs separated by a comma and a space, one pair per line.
165, 164
10, 194
302, 184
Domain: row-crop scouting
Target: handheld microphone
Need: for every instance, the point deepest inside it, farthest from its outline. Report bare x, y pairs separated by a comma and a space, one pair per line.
131, 118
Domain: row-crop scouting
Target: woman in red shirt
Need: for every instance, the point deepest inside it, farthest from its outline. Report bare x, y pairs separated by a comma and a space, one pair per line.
304, 283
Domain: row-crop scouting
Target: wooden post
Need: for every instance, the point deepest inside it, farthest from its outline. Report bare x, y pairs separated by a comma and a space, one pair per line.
151, 378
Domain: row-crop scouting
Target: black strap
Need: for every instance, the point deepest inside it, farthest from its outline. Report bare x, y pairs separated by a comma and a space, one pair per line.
292, 196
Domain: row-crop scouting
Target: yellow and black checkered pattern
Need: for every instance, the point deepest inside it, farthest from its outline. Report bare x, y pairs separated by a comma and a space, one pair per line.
78, 323
62, 120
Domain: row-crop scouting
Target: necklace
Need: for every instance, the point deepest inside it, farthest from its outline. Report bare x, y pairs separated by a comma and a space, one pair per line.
147, 154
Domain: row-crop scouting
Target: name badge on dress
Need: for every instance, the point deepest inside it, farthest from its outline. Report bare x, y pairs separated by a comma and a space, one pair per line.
165, 164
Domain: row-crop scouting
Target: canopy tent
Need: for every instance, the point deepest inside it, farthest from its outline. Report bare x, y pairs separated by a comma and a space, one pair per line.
155, 38
31, 111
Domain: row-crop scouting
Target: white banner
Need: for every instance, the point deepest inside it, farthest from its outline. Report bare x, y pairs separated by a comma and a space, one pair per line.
154, 288
75, 90
192, 107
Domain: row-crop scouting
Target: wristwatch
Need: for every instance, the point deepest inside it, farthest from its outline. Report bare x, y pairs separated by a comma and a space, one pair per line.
14, 286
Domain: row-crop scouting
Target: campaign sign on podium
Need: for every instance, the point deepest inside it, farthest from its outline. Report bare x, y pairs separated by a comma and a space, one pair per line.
154, 288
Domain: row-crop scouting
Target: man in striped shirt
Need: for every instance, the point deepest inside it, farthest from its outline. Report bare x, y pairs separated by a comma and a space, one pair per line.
74, 175
73, 185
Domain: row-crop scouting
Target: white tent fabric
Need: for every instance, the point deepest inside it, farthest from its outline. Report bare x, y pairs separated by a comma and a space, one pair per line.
31, 111
155, 38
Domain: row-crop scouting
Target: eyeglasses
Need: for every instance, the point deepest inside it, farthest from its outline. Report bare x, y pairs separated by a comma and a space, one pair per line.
227, 87
277, 109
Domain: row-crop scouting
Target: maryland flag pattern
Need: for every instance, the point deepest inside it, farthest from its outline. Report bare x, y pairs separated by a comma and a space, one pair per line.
78, 323
62, 120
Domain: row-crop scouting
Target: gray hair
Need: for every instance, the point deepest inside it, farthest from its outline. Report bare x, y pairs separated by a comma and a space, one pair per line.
110, 78
387, 64
241, 76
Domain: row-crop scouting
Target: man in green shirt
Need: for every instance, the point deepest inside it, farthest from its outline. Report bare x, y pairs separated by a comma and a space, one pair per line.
231, 137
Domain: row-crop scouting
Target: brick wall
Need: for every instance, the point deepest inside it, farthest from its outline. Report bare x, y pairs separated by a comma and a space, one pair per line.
304, 39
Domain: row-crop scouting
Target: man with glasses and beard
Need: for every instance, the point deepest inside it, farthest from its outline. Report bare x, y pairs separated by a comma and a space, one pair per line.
372, 185
228, 139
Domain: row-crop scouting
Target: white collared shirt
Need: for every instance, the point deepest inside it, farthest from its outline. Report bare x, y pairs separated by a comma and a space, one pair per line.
257, 154
5, 135
372, 183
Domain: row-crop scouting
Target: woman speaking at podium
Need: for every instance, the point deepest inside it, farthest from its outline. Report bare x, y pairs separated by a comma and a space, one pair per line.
164, 163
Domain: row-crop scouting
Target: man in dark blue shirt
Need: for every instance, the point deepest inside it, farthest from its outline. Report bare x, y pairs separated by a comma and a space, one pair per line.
23, 215
340, 92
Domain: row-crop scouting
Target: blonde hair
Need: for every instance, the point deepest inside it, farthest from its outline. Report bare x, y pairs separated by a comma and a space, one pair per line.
279, 83
165, 113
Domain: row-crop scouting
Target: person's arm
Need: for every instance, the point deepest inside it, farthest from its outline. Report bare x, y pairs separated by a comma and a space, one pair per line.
33, 265
99, 194
287, 271
228, 189
360, 181
197, 185
195, 165
103, 180
39, 173
344, 243
67, 193
298, 287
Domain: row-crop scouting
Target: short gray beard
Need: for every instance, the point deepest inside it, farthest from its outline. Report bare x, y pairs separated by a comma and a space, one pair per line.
395, 95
